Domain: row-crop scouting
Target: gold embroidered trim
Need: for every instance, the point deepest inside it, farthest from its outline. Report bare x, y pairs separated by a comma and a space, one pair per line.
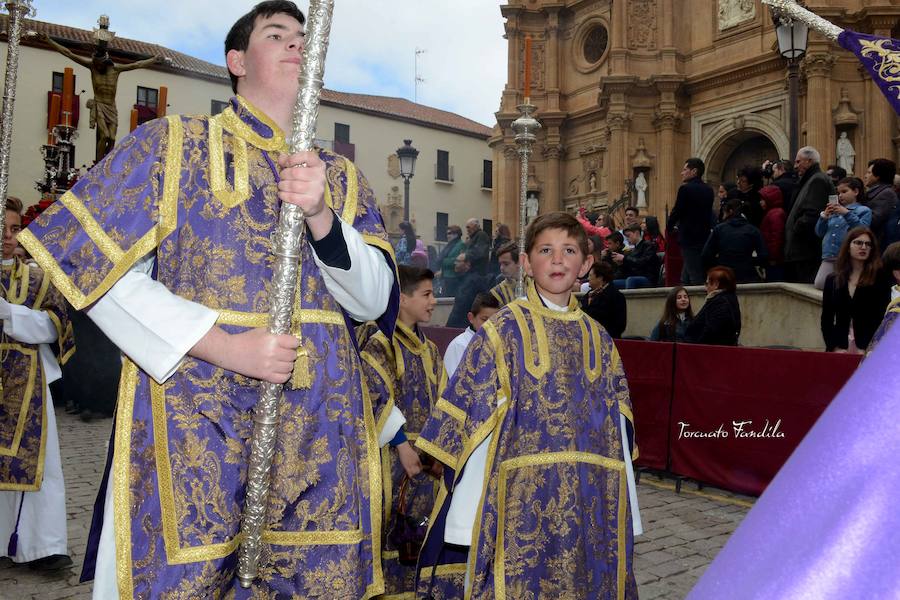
121, 477
382, 244
538, 366
313, 538
535, 304
248, 319
233, 123
373, 459
351, 200
105, 244
593, 340
425, 446
230, 196
19, 283
444, 570
545, 459
454, 411
502, 370
389, 384
31, 353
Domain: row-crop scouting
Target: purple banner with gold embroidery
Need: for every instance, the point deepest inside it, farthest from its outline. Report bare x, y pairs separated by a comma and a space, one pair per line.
881, 57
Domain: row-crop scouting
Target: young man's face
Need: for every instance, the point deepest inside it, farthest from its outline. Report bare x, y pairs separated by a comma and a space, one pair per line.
12, 229
634, 237
687, 172
869, 178
614, 245
272, 59
508, 267
417, 307
555, 262
631, 217
485, 313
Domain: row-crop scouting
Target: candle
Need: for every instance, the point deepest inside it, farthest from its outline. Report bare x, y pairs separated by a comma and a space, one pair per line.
53, 117
161, 101
68, 91
527, 68
134, 119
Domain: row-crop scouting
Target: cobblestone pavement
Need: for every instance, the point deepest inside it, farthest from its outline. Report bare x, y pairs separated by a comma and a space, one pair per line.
683, 532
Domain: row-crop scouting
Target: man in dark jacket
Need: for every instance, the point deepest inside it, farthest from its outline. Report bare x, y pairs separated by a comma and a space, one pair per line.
470, 285
802, 247
603, 302
692, 216
478, 248
640, 266
732, 244
783, 176
880, 195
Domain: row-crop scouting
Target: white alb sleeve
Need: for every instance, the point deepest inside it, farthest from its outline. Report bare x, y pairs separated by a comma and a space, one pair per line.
153, 326
364, 289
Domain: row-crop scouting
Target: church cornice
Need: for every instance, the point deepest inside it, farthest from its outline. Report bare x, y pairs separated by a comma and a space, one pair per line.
718, 78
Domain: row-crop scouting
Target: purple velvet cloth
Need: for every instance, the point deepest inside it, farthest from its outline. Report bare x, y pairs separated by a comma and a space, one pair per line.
881, 58
826, 527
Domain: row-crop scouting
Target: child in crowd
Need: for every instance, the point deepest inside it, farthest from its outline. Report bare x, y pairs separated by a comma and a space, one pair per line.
836, 220
677, 316
484, 307
603, 302
508, 261
535, 429
402, 377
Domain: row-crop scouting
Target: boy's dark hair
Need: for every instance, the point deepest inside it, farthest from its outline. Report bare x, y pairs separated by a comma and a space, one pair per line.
238, 37
14, 204
884, 170
411, 277
696, 163
753, 174
733, 205
616, 237
633, 209
891, 258
556, 220
634, 227
836, 171
511, 248
856, 184
603, 270
484, 300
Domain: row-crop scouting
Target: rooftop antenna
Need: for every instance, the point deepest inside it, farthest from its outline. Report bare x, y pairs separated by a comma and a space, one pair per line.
418, 79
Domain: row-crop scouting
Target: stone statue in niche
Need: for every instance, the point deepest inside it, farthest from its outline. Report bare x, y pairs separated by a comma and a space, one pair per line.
846, 155
640, 186
531, 207
592, 182
735, 12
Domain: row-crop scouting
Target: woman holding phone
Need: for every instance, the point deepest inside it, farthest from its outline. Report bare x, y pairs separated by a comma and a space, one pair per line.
843, 213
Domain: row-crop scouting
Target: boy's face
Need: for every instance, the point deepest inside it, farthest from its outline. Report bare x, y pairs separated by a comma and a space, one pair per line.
272, 59
614, 245
508, 267
476, 321
417, 307
12, 228
556, 261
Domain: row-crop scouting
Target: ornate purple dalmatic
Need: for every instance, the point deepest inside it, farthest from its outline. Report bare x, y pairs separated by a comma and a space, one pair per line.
881, 58
403, 373
891, 316
504, 292
201, 193
23, 411
554, 519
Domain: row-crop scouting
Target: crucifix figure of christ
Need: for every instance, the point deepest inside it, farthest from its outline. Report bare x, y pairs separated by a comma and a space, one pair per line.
104, 79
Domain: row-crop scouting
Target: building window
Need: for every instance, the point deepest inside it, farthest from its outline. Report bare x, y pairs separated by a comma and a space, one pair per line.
217, 106
57, 86
342, 133
488, 226
148, 97
595, 44
440, 229
442, 170
487, 174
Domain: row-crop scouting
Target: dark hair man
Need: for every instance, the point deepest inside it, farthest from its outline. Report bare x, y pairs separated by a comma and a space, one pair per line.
692, 218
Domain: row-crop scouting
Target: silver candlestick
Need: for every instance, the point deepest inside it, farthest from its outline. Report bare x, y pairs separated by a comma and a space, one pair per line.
526, 128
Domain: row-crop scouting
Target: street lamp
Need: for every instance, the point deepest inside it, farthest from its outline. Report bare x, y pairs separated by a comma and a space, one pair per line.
407, 155
792, 38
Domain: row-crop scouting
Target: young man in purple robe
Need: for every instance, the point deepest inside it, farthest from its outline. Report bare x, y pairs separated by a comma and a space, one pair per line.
536, 432
402, 376
35, 330
167, 243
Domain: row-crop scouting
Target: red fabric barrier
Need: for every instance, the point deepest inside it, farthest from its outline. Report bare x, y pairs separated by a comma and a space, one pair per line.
718, 386
441, 336
648, 367
673, 260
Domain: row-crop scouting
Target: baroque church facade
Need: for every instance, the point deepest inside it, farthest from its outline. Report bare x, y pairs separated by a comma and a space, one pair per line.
624, 88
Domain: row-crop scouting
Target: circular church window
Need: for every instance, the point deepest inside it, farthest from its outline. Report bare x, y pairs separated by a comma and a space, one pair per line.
595, 44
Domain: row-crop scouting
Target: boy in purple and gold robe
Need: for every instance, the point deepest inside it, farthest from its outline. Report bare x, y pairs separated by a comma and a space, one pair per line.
508, 261
35, 331
167, 243
536, 431
402, 376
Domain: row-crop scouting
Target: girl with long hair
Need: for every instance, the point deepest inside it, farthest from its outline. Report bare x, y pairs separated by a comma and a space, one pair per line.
406, 244
677, 315
855, 295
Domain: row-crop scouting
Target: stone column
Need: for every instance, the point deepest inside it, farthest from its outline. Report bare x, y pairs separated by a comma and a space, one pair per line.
666, 182
819, 126
618, 27
880, 116
508, 205
617, 157
551, 64
551, 199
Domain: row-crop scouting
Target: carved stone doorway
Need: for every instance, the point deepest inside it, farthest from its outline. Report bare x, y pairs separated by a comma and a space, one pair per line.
737, 151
